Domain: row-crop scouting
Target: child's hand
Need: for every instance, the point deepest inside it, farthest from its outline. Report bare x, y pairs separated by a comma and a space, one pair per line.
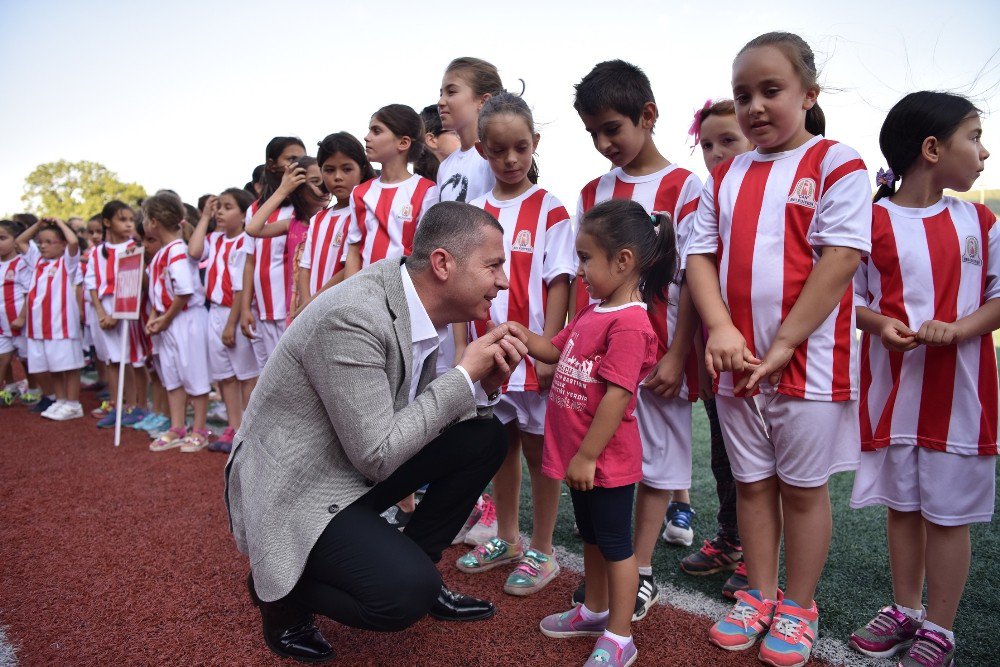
580, 473
771, 368
17, 324
726, 350
211, 207
155, 325
293, 177
897, 337
936, 334
229, 335
246, 325
667, 377
705, 384
105, 321
544, 372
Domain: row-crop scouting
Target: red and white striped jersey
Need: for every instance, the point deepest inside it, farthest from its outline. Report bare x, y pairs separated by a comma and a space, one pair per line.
540, 246
937, 263
672, 190
15, 281
325, 251
99, 274
53, 311
270, 281
384, 218
173, 273
765, 217
225, 266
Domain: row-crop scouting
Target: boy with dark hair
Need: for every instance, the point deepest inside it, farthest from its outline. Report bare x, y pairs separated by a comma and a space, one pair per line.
616, 104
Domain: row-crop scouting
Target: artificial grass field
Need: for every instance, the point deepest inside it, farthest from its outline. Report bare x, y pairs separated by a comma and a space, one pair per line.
856, 582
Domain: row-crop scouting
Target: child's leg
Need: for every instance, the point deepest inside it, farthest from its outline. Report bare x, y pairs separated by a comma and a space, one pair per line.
72, 383
907, 544
247, 388
112, 382
177, 402
544, 495
758, 506
45, 381
161, 404
507, 488
949, 550
681, 496
128, 397
200, 405
595, 574
231, 396
59, 385
650, 509
808, 528
610, 510
725, 486
141, 386
623, 582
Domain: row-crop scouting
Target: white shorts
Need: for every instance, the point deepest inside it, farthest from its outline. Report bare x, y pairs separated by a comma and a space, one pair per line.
268, 334
947, 489
226, 362
183, 353
108, 342
665, 431
17, 344
527, 407
801, 441
88, 318
54, 356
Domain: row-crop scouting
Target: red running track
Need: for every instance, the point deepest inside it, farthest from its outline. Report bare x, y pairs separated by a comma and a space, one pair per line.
122, 556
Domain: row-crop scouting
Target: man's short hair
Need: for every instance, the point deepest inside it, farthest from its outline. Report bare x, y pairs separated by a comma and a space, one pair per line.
615, 85
452, 225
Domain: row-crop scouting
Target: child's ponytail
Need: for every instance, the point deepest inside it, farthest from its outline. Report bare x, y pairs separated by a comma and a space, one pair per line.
815, 120
657, 276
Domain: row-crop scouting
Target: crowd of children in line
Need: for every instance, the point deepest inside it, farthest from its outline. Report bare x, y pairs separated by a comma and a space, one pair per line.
744, 291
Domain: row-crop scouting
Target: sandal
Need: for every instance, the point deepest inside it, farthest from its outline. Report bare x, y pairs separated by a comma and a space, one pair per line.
196, 440
174, 437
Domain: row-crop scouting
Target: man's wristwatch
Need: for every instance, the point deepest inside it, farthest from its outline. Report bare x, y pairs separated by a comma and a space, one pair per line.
494, 396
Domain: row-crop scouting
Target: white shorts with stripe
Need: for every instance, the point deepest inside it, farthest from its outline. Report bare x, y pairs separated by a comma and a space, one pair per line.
183, 353
801, 441
947, 489
268, 334
527, 408
54, 356
238, 361
665, 431
17, 344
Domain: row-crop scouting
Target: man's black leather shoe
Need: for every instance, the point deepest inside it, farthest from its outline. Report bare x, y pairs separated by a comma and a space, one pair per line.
451, 606
290, 632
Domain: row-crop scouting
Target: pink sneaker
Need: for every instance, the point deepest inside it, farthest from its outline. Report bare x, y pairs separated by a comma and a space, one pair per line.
608, 652
486, 528
572, 624
890, 632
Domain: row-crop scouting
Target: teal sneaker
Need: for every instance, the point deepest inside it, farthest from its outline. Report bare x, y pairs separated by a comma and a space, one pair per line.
489, 555
790, 640
750, 617
532, 574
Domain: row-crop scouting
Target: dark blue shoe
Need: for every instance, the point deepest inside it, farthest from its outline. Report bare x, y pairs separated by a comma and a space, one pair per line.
678, 529
108, 420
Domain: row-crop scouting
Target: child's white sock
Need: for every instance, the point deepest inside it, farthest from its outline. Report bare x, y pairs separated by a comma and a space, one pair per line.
622, 642
593, 615
646, 571
917, 615
950, 635
12, 387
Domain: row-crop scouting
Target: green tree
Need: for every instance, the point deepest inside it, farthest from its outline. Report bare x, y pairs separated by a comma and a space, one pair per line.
63, 189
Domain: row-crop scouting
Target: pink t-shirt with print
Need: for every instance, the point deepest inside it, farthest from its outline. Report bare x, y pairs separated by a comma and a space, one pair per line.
600, 345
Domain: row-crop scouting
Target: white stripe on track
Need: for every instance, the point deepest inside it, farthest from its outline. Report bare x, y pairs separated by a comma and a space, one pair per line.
833, 651
8, 655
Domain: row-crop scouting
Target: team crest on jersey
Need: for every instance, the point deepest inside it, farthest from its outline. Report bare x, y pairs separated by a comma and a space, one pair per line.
804, 193
9, 276
406, 212
338, 238
522, 242
972, 254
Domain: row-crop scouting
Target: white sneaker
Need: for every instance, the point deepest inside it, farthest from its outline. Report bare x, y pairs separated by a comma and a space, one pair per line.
52, 410
678, 525
486, 528
217, 412
66, 412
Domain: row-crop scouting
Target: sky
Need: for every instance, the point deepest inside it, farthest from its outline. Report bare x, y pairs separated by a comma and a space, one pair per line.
185, 95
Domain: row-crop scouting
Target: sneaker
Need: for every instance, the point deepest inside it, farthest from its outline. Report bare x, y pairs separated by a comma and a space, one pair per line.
486, 528
743, 625
142, 423
890, 632
101, 411
64, 411
678, 524
396, 517
108, 420
170, 439
92, 385
477, 512
791, 637
572, 624
647, 596
158, 425
8, 396
929, 649
489, 555
737, 581
608, 652
53, 408
196, 440
225, 442
718, 555
31, 397
104, 395
42, 404
532, 574
133, 416
217, 412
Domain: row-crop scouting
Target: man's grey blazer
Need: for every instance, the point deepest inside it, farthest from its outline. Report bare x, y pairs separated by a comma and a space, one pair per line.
331, 414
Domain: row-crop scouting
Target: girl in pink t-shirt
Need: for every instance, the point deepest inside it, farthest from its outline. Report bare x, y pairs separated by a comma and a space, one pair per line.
591, 437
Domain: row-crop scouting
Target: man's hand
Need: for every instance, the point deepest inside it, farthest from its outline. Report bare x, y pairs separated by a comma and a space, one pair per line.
491, 358
667, 377
580, 473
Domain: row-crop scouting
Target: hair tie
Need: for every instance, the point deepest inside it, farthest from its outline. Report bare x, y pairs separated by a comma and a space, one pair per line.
654, 218
885, 177
695, 129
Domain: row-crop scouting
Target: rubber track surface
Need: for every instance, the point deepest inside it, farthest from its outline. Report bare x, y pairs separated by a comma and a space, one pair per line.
124, 557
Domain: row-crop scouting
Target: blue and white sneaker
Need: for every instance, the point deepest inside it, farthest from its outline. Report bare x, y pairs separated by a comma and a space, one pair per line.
133, 416
157, 425
678, 524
